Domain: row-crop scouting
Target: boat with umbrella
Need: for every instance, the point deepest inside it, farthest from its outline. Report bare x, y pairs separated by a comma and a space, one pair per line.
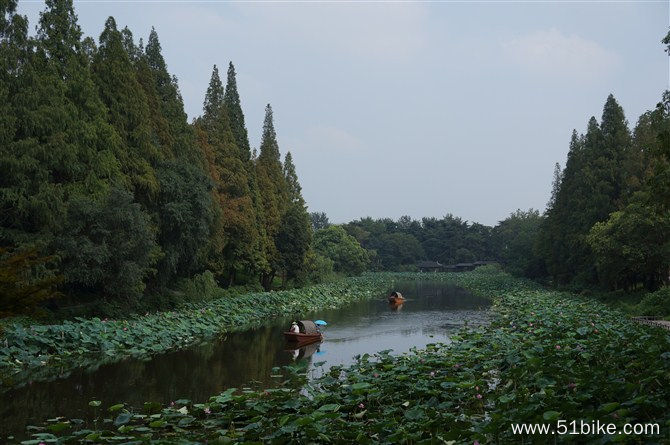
308, 332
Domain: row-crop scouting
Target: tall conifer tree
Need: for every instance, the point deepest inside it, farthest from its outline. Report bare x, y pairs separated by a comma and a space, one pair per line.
127, 111
295, 231
239, 245
273, 192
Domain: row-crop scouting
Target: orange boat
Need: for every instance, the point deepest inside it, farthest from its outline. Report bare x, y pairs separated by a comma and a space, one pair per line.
396, 298
309, 333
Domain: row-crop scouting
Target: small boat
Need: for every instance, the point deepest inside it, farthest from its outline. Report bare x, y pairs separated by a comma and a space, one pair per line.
308, 333
396, 298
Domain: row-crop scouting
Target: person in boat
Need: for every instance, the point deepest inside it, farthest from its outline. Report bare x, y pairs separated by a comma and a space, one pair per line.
294, 328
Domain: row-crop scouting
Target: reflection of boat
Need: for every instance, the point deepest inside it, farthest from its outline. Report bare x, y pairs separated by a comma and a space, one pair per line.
396, 298
303, 351
396, 306
309, 333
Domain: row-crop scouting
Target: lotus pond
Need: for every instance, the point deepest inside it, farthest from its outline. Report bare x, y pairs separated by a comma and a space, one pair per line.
434, 310
544, 356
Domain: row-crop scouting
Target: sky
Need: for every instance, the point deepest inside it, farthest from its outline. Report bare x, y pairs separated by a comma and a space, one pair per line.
412, 108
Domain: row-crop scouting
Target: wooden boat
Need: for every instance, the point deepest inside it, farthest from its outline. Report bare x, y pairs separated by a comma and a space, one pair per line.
396, 298
309, 333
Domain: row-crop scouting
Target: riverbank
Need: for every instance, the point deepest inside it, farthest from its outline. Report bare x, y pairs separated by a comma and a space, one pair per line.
47, 351
547, 356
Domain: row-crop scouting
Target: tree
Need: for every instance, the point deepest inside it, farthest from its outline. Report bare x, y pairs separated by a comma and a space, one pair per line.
295, 233
294, 240
60, 149
128, 111
186, 217
108, 246
395, 250
233, 106
170, 104
594, 184
516, 239
343, 250
555, 187
274, 195
293, 189
319, 220
238, 247
632, 246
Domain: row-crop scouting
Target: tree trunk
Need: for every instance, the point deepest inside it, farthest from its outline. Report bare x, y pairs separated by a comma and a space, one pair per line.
266, 280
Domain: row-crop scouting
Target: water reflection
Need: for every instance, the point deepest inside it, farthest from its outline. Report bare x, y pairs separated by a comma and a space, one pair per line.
429, 314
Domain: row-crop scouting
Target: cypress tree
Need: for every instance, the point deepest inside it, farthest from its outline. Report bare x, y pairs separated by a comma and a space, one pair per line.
171, 105
127, 111
555, 187
235, 115
595, 183
293, 189
62, 126
274, 194
295, 232
233, 106
239, 245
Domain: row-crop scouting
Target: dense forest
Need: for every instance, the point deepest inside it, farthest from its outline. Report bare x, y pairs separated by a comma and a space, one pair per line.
109, 194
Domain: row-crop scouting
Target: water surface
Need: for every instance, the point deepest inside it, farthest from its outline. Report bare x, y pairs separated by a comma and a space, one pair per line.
432, 312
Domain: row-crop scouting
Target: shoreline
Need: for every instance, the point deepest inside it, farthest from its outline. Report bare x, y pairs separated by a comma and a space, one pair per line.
540, 360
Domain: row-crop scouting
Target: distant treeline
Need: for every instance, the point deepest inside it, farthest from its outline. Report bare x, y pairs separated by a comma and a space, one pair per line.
107, 192
606, 226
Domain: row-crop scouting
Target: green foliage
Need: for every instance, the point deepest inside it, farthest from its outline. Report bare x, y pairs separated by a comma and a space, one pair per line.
200, 287
107, 246
316, 269
396, 245
294, 240
593, 185
87, 130
128, 111
186, 216
343, 250
655, 303
516, 239
632, 246
25, 351
539, 360
21, 292
319, 220
274, 195
237, 246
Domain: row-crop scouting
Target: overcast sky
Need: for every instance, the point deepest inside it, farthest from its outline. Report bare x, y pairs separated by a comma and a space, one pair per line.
417, 109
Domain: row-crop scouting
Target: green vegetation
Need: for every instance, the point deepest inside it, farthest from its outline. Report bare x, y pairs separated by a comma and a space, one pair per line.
27, 352
606, 227
103, 176
540, 360
399, 245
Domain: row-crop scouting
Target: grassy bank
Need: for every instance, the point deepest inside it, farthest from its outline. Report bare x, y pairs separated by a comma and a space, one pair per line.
43, 351
546, 356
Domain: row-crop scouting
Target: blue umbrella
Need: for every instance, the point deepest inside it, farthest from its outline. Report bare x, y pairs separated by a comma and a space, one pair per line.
320, 322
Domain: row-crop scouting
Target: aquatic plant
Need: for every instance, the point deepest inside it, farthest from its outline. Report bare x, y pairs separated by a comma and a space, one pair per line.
546, 356
43, 351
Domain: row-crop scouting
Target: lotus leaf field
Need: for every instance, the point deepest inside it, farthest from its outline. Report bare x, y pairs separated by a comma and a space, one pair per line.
43, 352
545, 356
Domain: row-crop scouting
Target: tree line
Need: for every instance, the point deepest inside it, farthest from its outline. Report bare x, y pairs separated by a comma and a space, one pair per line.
108, 192
607, 223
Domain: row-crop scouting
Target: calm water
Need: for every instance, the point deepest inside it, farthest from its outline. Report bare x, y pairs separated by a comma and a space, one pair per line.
432, 312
